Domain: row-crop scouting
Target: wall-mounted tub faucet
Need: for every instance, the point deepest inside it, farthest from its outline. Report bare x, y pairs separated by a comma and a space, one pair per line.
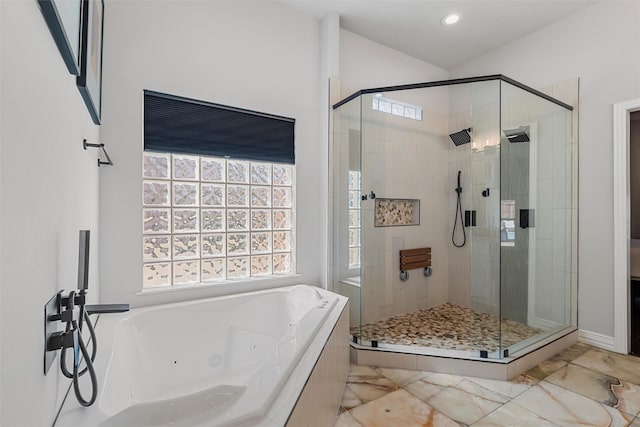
62, 308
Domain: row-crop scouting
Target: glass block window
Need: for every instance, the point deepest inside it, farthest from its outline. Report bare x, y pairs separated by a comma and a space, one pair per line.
396, 108
354, 219
212, 219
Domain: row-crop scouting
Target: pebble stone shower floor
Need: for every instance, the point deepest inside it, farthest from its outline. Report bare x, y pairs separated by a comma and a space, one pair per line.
447, 326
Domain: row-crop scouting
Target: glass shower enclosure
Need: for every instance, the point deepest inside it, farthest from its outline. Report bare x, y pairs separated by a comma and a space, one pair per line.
453, 216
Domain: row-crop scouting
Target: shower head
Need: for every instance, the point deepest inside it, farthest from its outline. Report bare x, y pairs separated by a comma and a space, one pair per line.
461, 137
521, 134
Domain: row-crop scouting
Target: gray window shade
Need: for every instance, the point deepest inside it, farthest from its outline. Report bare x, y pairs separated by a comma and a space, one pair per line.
182, 125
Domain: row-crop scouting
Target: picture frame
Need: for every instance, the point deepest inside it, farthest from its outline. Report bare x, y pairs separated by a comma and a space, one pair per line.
89, 81
64, 19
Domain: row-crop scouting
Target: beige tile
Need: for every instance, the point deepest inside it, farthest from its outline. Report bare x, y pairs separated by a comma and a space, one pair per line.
546, 368
366, 384
387, 359
442, 379
347, 420
573, 352
423, 390
626, 368
598, 386
350, 399
462, 406
564, 407
402, 376
635, 423
509, 389
399, 409
511, 414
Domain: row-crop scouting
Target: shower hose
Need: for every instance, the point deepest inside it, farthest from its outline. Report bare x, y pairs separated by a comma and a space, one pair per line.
75, 373
455, 221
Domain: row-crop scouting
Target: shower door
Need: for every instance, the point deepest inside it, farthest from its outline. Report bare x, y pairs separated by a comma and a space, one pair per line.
477, 106
535, 242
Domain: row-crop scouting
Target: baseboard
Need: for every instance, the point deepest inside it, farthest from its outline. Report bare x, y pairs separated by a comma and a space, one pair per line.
597, 340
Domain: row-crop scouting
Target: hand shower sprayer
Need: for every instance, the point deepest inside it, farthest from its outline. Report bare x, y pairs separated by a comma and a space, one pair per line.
455, 221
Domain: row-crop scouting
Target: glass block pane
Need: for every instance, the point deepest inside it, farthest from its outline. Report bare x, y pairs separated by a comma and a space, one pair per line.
213, 245
156, 220
397, 109
155, 166
185, 167
282, 219
238, 195
354, 218
185, 194
156, 274
213, 269
213, 170
282, 241
384, 106
260, 265
354, 237
237, 267
155, 193
354, 199
260, 219
410, 112
237, 243
354, 257
185, 220
212, 194
261, 197
186, 246
238, 219
213, 219
281, 197
186, 272
260, 243
354, 180
156, 248
282, 263
237, 171
260, 173
282, 174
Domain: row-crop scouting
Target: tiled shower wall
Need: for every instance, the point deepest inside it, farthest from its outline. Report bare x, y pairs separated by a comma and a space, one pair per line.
406, 159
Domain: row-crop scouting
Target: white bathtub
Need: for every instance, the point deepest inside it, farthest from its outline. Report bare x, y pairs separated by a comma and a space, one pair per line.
226, 361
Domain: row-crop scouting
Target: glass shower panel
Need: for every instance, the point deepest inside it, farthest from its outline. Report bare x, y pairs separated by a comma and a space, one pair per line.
474, 267
345, 201
536, 207
404, 178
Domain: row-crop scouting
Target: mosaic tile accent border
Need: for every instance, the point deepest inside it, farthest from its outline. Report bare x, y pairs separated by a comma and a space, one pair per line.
393, 212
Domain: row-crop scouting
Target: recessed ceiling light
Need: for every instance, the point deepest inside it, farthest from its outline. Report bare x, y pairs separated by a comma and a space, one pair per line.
450, 19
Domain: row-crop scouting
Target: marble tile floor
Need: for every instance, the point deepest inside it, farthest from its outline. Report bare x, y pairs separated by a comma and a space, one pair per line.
581, 386
447, 326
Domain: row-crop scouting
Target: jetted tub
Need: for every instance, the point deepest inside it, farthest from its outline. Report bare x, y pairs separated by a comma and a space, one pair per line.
225, 361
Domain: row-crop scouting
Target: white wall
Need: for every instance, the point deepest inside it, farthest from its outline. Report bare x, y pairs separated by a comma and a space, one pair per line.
257, 55
48, 191
366, 64
599, 45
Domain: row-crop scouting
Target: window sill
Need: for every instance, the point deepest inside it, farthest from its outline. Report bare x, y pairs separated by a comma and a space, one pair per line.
227, 284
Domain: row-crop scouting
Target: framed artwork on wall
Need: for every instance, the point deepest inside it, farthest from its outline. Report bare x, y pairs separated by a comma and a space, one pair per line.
89, 80
63, 18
